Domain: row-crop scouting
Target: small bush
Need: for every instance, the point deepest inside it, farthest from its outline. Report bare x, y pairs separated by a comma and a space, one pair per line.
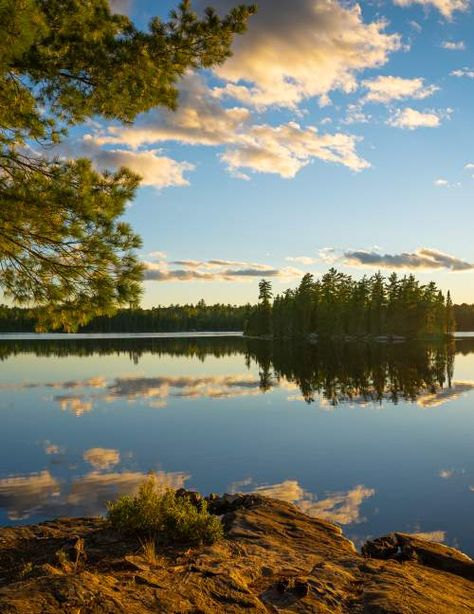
154, 512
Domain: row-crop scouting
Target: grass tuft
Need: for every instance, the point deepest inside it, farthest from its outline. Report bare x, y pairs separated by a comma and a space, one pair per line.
163, 514
148, 551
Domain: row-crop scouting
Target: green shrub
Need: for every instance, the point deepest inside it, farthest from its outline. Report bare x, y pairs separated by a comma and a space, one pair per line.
173, 518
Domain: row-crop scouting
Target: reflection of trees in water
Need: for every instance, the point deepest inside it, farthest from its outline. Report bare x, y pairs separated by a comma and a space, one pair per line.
337, 372
356, 372
135, 348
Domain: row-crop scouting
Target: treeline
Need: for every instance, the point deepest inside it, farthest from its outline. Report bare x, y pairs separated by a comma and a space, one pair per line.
176, 318
338, 305
464, 316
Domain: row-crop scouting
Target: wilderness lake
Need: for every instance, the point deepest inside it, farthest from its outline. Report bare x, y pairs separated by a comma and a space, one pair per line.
375, 437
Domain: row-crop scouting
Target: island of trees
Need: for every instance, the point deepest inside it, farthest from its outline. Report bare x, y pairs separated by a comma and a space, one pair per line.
338, 305
335, 305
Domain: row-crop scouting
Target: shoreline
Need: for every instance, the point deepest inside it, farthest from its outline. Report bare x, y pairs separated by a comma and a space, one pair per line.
315, 338
273, 557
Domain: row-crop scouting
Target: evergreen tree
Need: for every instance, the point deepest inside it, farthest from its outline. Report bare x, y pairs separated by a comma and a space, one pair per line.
338, 305
450, 322
63, 247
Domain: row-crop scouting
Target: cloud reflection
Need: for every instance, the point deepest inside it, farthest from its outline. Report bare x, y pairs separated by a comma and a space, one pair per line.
431, 536
444, 395
102, 458
24, 495
342, 507
43, 494
155, 391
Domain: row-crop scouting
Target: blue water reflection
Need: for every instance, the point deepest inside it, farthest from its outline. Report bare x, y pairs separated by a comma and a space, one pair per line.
376, 438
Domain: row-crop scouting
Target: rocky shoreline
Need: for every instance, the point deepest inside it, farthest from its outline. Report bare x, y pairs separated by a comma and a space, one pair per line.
273, 558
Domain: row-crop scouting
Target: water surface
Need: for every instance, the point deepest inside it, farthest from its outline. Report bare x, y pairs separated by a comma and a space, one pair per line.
375, 437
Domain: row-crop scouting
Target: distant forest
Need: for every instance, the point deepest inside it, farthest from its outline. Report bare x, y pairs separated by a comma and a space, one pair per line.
338, 305
176, 318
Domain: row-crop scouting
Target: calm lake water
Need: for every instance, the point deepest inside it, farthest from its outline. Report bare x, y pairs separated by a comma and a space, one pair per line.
374, 437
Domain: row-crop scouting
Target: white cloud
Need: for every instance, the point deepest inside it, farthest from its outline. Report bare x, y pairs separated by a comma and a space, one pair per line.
445, 7
286, 149
199, 120
423, 258
215, 270
411, 119
157, 255
261, 148
155, 170
444, 183
355, 115
463, 72
454, 45
301, 259
415, 25
386, 88
302, 49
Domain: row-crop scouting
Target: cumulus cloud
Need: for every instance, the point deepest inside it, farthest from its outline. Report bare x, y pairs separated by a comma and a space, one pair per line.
411, 119
355, 115
444, 183
454, 45
445, 7
286, 149
307, 260
386, 88
423, 258
463, 72
154, 169
341, 507
302, 49
215, 270
201, 120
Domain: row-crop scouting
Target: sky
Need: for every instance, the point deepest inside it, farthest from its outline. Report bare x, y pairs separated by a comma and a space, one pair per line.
338, 134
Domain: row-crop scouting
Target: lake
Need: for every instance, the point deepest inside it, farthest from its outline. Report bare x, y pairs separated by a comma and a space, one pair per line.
375, 437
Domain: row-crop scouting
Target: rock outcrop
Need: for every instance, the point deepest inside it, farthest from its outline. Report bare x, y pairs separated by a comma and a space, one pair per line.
273, 559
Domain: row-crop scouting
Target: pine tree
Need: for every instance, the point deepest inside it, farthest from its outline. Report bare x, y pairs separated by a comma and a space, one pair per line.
63, 247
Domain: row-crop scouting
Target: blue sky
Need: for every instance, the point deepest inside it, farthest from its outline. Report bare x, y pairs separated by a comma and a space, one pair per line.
338, 134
